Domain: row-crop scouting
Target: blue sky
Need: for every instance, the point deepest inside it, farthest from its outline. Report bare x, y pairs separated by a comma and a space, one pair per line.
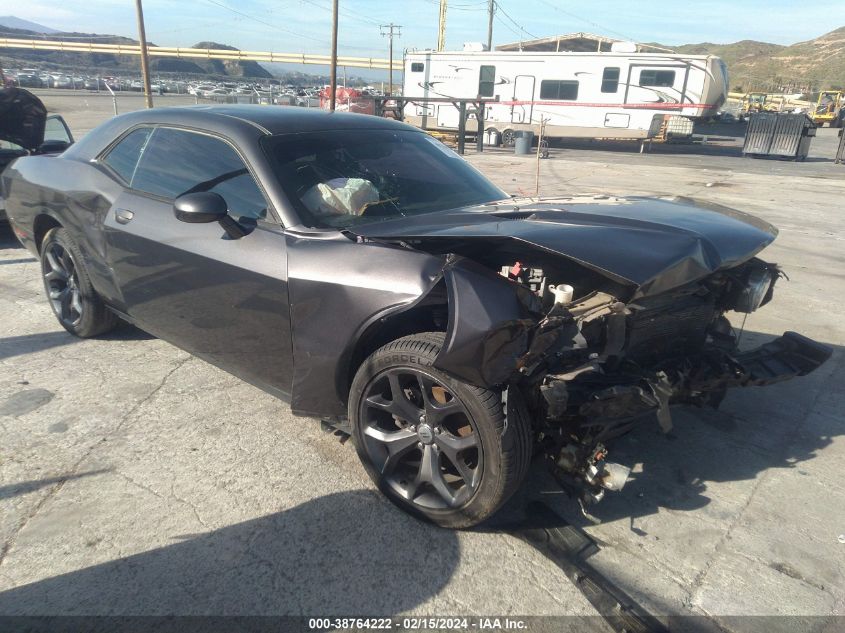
304, 25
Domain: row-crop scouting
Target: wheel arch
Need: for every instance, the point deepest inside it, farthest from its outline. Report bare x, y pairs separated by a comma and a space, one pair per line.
485, 317
42, 224
428, 315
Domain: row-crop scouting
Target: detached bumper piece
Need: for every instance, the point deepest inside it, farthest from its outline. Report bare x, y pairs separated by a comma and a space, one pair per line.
786, 357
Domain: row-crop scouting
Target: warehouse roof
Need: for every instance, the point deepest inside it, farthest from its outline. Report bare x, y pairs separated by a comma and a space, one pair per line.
574, 42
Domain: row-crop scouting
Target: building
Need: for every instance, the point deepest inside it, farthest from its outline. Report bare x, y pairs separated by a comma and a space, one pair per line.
577, 43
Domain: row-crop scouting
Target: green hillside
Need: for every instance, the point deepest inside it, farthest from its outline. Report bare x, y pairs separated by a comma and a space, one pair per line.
805, 66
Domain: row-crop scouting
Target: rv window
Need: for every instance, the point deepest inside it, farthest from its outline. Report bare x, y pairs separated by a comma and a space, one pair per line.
610, 80
417, 67
657, 78
486, 81
560, 90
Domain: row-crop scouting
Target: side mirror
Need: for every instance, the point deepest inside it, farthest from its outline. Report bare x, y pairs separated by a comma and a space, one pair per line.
204, 207
200, 208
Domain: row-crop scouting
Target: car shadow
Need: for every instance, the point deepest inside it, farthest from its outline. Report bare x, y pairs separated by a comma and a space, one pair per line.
341, 554
7, 238
125, 331
22, 260
24, 487
11, 346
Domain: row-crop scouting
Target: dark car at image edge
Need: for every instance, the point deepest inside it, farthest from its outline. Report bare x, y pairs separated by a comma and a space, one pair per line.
360, 270
26, 129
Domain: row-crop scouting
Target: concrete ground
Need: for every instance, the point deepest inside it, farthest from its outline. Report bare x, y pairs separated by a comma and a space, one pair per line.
135, 479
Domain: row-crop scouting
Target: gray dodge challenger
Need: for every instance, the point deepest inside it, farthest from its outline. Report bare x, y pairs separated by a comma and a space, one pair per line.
360, 270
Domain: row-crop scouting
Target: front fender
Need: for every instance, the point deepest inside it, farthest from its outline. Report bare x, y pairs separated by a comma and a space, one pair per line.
490, 323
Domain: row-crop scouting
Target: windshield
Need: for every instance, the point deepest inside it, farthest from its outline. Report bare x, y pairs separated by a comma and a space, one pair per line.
338, 179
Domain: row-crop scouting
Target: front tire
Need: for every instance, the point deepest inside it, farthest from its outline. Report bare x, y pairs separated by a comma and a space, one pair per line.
437, 447
76, 304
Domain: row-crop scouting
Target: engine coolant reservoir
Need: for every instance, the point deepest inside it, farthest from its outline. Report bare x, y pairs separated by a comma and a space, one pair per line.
562, 293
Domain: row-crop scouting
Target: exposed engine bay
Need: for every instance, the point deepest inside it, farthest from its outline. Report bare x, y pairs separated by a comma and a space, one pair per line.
598, 364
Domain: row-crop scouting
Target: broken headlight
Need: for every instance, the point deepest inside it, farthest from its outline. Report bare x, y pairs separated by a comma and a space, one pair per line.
756, 289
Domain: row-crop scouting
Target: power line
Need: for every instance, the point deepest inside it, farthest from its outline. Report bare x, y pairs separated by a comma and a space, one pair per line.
507, 25
517, 24
278, 28
590, 22
264, 22
344, 12
471, 6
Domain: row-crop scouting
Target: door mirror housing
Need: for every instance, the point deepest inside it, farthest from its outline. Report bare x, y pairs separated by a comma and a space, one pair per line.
204, 207
200, 208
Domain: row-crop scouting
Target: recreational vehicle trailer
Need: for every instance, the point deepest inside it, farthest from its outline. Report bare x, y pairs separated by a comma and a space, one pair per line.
577, 95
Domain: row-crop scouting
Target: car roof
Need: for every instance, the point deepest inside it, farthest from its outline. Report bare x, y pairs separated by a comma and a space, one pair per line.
277, 119
241, 123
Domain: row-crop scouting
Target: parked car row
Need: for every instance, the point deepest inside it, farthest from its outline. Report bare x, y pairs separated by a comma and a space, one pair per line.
267, 91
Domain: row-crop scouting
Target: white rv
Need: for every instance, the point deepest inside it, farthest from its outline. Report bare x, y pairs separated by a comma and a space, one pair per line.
587, 95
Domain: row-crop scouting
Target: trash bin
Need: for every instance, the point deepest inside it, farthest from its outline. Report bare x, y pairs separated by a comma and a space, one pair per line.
782, 135
522, 141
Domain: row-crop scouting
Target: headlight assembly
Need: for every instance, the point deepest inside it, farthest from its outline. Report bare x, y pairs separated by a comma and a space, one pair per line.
757, 285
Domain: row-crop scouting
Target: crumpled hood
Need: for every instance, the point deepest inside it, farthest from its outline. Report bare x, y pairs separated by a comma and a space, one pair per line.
22, 118
655, 244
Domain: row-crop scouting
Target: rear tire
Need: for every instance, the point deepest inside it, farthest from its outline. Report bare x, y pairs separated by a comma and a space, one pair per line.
437, 447
508, 138
76, 304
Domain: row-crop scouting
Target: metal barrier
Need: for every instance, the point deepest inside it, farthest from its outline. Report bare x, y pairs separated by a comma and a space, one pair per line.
781, 135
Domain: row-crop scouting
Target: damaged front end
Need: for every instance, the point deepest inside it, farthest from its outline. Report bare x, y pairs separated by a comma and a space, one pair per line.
603, 312
593, 367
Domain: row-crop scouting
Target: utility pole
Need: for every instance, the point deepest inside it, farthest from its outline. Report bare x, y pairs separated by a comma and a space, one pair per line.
389, 34
333, 78
491, 9
441, 28
145, 55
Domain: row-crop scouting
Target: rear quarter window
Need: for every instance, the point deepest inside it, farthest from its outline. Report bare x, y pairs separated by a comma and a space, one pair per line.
122, 159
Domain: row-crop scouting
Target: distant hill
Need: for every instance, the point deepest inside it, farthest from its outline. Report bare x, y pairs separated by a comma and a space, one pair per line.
106, 62
805, 66
11, 22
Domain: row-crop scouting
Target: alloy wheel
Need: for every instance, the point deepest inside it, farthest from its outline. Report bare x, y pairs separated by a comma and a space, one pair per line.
421, 439
62, 283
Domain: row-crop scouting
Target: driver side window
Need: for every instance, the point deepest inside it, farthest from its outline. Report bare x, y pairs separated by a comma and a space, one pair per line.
176, 162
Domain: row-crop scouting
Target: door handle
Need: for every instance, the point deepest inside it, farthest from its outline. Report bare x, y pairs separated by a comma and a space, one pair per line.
123, 216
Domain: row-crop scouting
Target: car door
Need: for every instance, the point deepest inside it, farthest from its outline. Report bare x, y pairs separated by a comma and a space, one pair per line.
222, 299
